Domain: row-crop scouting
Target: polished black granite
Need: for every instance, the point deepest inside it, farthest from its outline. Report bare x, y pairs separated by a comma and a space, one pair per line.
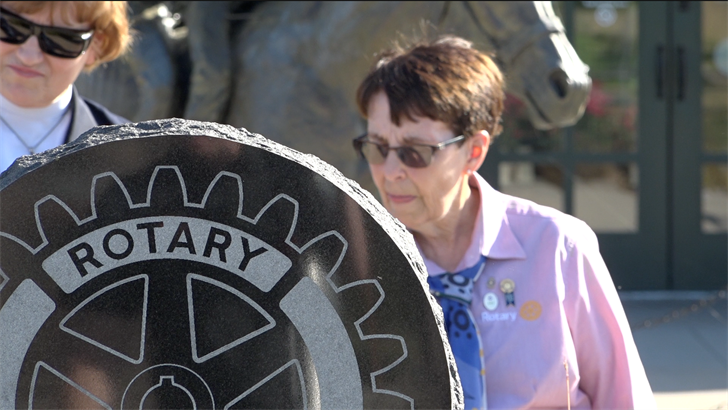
180, 264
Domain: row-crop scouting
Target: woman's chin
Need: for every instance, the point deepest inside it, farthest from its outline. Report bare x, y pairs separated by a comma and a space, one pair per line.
406, 211
399, 210
408, 219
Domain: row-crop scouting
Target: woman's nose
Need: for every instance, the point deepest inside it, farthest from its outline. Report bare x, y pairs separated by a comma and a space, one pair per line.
29, 53
393, 168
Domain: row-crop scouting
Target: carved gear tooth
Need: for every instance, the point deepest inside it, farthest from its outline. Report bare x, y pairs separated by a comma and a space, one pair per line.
277, 215
329, 244
55, 220
377, 336
174, 196
11, 245
108, 195
383, 352
3, 277
6, 238
224, 195
367, 296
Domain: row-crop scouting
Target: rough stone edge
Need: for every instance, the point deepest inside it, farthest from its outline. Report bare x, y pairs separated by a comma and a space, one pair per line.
176, 126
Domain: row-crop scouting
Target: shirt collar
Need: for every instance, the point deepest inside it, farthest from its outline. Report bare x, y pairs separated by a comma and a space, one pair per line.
492, 235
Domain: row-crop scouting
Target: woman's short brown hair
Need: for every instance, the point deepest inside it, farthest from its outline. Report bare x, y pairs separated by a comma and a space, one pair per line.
109, 20
445, 80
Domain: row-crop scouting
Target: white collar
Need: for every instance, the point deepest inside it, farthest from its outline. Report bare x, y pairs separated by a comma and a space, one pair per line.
32, 124
50, 113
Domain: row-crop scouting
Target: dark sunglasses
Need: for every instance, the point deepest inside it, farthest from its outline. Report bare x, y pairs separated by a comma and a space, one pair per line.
55, 41
413, 156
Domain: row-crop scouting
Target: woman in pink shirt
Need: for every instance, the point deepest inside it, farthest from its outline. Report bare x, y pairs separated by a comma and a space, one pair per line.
531, 312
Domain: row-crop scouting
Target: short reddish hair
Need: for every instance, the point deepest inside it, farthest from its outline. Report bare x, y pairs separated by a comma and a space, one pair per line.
109, 19
445, 80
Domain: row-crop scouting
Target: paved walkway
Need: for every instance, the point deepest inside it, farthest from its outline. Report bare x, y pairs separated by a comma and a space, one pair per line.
682, 338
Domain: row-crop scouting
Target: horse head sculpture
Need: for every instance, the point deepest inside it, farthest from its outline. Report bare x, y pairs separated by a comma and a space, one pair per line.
543, 68
289, 70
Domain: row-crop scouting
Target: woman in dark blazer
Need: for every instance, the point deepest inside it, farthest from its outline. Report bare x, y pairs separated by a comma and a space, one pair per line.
44, 46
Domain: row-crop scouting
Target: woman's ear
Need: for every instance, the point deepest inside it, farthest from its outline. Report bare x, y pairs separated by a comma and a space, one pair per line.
478, 145
93, 52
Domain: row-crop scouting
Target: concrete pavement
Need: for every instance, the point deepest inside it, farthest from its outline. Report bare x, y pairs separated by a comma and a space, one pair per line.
682, 337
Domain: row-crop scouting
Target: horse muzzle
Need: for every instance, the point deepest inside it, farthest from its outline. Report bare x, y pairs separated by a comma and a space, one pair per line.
552, 81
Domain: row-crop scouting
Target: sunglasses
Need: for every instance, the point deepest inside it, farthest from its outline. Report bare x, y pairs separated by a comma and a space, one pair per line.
413, 156
55, 41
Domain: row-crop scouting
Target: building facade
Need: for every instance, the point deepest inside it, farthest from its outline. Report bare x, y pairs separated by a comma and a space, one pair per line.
646, 165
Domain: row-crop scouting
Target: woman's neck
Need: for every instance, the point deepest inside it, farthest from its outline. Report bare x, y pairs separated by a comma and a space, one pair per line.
55, 109
446, 241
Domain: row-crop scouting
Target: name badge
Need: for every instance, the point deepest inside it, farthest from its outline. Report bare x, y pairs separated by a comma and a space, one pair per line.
490, 301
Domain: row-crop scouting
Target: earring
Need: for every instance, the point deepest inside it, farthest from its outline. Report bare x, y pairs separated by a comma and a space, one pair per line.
476, 152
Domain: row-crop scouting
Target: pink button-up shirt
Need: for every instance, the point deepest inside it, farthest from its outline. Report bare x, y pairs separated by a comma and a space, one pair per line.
567, 311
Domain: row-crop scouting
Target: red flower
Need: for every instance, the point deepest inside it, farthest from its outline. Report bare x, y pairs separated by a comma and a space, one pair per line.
629, 116
513, 106
599, 100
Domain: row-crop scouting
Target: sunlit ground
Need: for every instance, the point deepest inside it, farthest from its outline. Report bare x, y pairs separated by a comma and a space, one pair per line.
682, 338
703, 400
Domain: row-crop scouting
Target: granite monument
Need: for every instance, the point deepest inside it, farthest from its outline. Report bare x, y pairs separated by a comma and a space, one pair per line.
182, 264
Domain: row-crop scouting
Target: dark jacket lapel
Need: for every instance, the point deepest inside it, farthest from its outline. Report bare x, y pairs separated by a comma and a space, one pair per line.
82, 119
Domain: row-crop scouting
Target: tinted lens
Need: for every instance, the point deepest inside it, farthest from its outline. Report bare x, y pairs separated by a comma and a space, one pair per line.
62, 44
415, 156
374, 153
56, 41
13, 30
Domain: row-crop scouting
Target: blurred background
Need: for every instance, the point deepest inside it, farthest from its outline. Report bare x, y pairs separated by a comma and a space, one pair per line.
645, 166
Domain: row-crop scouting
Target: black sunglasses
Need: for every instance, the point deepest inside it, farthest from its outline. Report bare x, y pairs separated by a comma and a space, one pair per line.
413, 156
55, 41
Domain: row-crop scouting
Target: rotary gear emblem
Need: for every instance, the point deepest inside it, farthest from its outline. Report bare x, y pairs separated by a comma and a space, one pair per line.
170, 303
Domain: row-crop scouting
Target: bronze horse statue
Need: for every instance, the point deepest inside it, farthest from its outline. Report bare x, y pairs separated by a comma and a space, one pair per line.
289, 70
